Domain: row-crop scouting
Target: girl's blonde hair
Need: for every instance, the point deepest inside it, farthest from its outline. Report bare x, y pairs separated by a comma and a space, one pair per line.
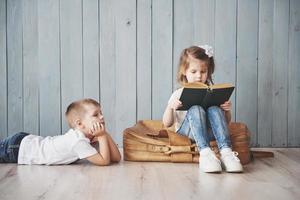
197, 53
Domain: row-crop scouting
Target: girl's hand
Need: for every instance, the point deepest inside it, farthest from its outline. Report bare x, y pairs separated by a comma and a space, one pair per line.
175, 104
226, 106
98, 129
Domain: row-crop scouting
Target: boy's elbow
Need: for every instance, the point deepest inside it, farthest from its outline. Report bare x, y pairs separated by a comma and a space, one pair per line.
98, 160
118, 159
103, 163
106, 163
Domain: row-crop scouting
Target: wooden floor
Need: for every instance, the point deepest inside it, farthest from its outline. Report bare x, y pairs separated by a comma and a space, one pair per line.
266, 178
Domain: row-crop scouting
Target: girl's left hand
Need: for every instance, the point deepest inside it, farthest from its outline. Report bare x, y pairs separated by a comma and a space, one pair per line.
226, 106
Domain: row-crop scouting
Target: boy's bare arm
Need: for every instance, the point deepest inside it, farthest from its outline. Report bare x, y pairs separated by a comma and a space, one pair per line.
115, 154
103, 157
99, 130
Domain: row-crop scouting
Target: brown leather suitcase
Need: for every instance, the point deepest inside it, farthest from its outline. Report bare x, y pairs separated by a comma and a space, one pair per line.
148, 140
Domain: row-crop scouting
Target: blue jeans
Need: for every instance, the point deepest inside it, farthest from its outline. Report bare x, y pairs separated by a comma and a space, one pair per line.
9, 148
204, 126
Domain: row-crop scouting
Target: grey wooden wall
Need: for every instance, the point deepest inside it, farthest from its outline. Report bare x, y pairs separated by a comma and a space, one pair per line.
125, 54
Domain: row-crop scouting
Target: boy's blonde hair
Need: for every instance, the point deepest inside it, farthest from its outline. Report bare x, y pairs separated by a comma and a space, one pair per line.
77, 109
196, 53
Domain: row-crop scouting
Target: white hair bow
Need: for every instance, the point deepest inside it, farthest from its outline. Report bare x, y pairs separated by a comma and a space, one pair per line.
208, 50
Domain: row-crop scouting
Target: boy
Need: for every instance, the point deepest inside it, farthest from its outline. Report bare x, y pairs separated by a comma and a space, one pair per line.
87, 126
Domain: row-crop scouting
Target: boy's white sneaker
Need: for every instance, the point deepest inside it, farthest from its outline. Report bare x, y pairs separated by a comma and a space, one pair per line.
230, 160
208, 161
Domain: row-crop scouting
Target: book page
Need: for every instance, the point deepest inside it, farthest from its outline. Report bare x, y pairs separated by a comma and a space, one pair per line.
195, 85
223, 85
202, 85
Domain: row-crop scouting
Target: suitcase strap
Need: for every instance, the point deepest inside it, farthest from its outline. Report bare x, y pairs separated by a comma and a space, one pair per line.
159, 148
181, 149
169, 149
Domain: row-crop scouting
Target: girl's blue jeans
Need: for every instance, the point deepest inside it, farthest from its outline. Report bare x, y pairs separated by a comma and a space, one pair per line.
9, 148
203, 126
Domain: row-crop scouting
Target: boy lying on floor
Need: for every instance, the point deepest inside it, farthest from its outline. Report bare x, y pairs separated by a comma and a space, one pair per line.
87, 126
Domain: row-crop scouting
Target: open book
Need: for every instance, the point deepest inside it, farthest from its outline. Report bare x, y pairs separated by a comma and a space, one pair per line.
204, 95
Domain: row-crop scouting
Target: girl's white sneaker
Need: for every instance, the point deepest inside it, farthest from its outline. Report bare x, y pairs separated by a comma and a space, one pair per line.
230, 160
208, 161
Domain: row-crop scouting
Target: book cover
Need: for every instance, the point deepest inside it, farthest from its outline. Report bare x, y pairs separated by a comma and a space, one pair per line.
204, 95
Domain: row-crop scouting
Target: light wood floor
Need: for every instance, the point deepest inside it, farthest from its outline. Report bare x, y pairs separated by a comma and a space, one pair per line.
265, 178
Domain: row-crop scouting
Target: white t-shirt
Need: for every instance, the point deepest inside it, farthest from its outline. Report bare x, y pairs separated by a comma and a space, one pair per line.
179, 115
54, 150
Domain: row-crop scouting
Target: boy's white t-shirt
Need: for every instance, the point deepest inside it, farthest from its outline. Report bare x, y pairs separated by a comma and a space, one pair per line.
54, 150
179, 115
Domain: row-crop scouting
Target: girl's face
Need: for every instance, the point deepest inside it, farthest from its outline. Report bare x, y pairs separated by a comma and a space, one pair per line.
197, 71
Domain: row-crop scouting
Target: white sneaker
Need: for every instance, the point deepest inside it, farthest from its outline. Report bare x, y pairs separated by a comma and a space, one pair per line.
230, 160
208, 161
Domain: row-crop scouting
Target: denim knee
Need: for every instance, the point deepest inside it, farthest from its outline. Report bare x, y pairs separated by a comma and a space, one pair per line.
215, 112
214, 109
196, 110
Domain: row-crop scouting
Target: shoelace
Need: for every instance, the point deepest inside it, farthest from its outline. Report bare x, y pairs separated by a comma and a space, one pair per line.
234, 155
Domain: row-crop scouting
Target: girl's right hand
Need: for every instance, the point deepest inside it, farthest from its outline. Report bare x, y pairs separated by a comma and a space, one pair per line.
175, 104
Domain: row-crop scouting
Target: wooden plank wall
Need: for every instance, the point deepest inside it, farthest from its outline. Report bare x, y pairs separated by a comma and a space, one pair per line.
3, 71
125, 53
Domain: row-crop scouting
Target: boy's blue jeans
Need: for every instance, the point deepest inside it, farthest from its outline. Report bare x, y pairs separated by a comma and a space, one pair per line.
204, 126
9, 148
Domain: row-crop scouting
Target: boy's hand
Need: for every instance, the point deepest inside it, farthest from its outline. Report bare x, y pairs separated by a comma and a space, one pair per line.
175, 104
226, 106
98, 129
94, 139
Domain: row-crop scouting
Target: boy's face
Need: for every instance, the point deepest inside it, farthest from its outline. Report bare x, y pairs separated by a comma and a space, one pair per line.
197, 71
92, 115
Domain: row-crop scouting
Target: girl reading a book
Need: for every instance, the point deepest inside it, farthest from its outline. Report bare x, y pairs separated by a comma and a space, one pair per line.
202, 125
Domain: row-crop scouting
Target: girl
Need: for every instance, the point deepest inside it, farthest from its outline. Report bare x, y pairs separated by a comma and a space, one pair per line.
197, 65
